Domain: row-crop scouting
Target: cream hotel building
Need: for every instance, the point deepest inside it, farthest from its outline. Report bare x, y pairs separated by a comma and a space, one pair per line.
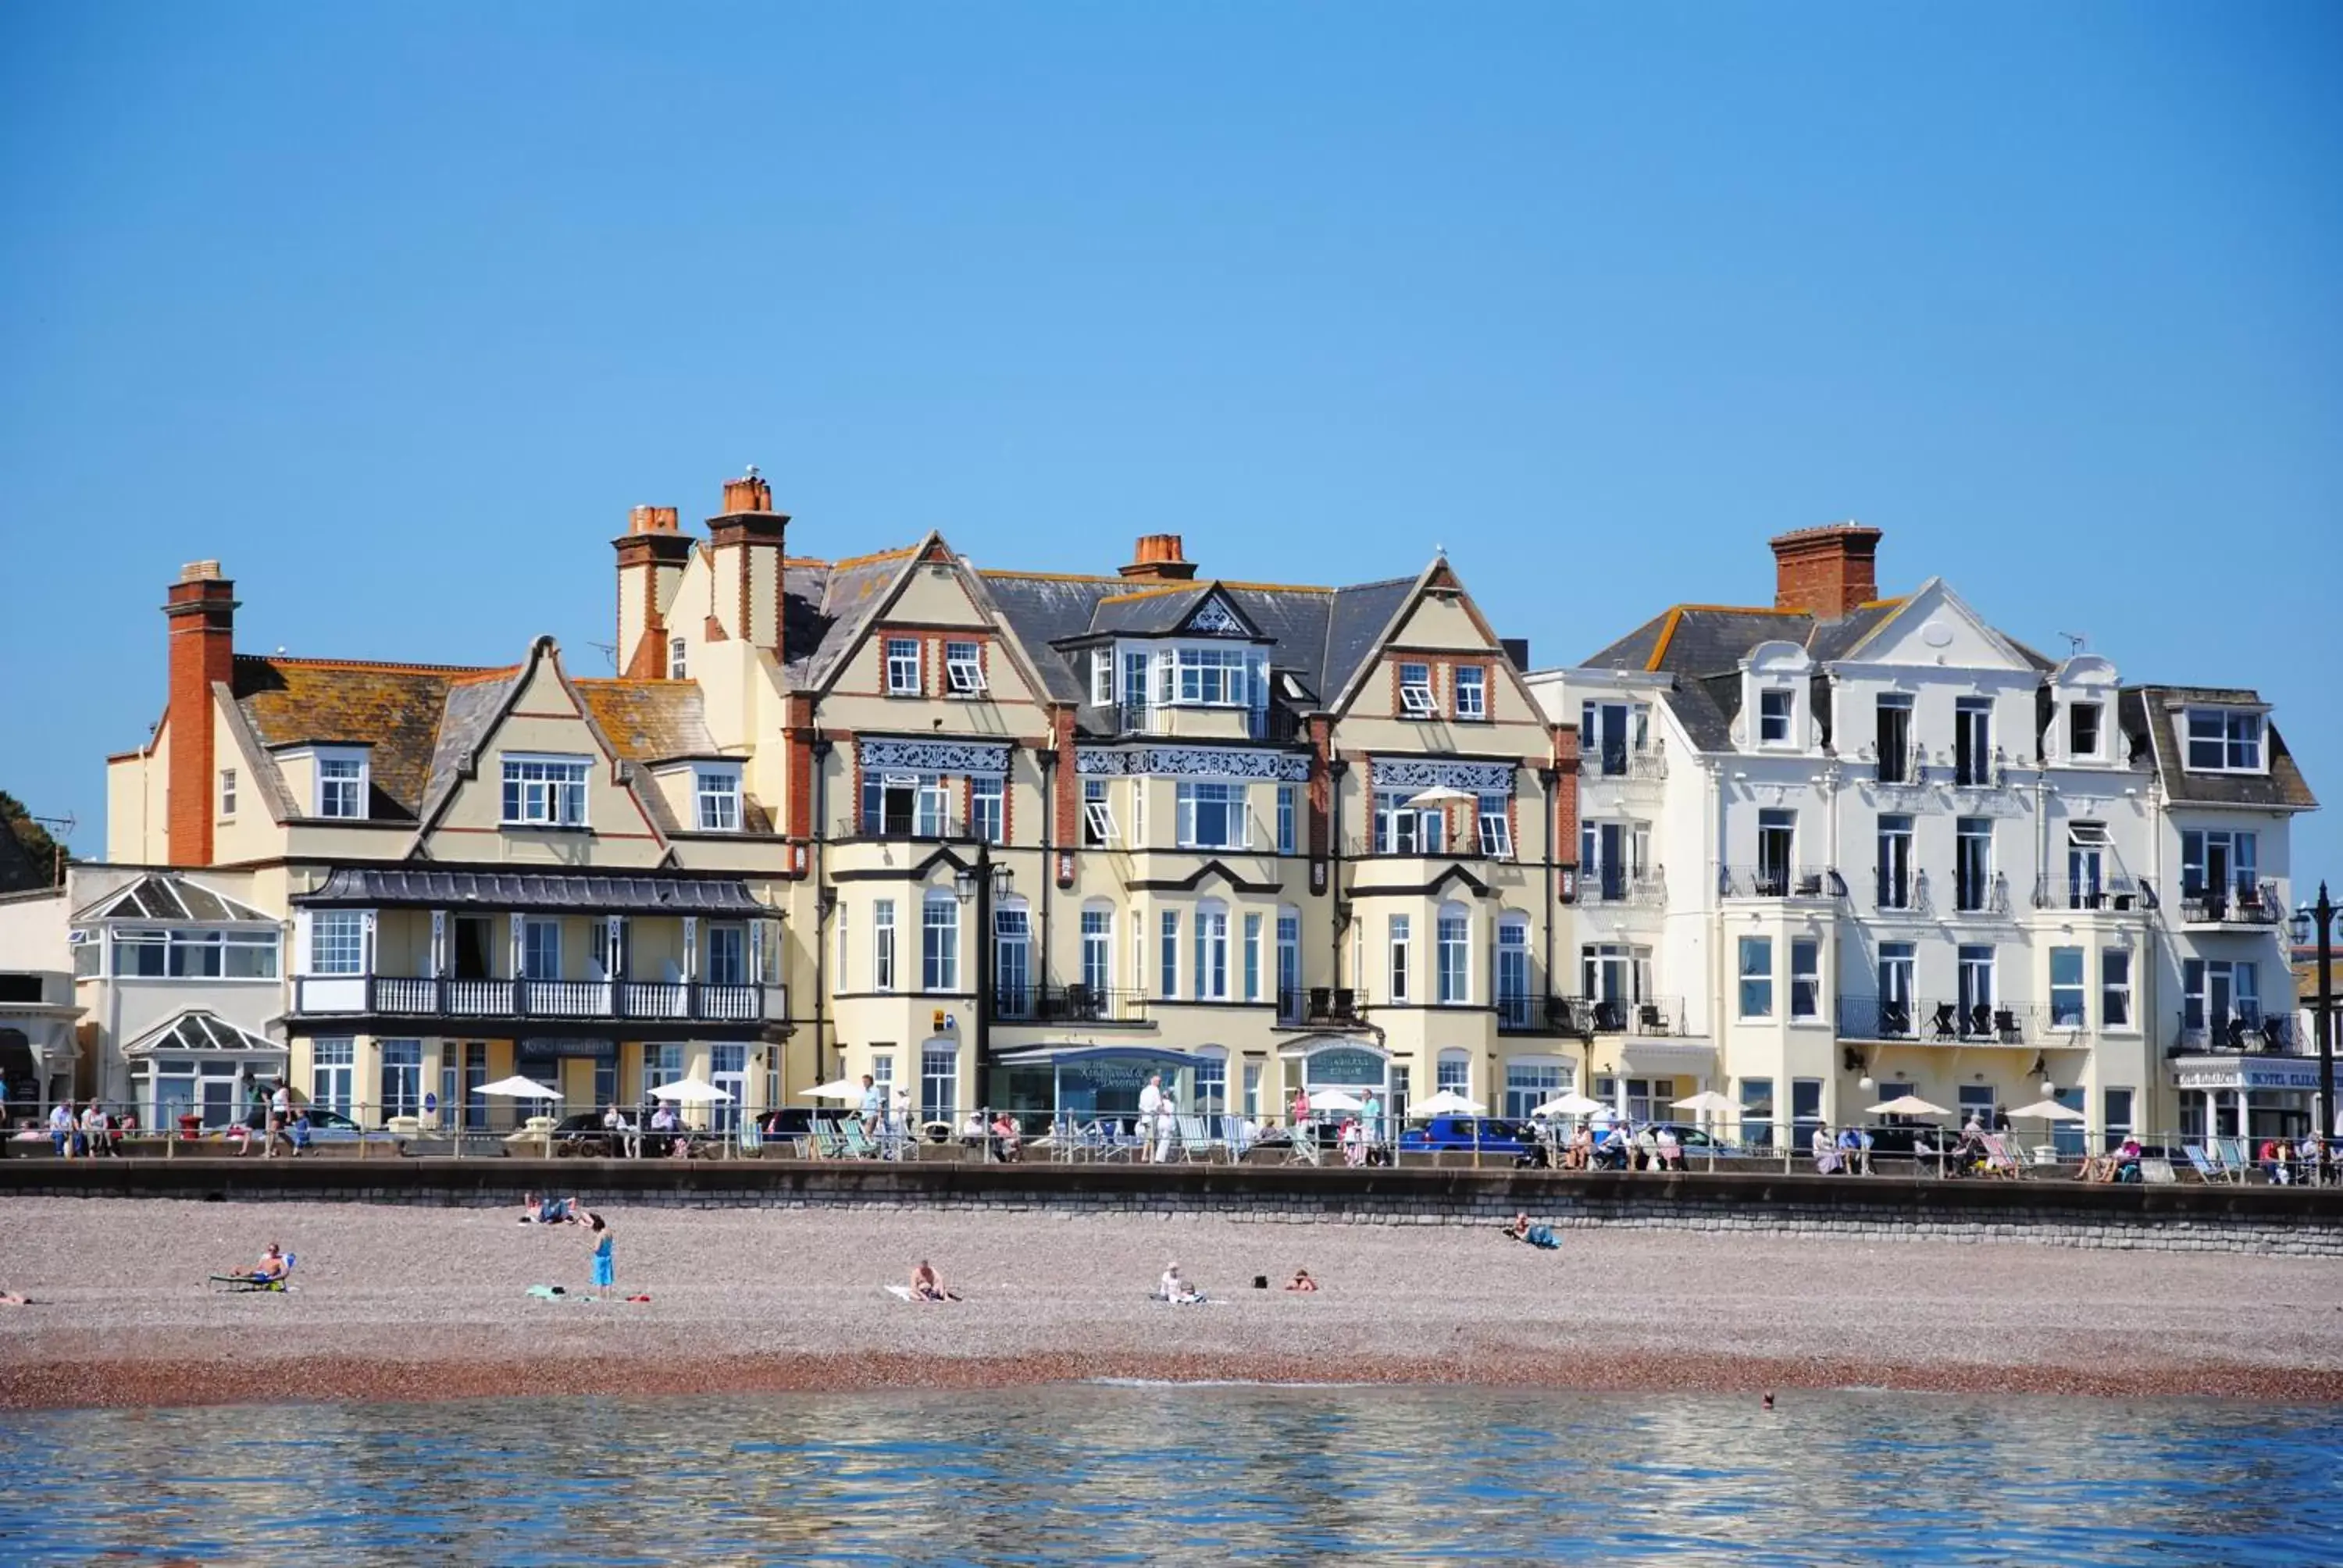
995, 838
1021, 840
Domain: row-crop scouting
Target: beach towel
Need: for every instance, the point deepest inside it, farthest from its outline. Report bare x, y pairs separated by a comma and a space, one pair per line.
901, 1292
548, 1292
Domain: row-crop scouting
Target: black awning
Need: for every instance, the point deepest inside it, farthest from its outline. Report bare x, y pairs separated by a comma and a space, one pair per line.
379, 887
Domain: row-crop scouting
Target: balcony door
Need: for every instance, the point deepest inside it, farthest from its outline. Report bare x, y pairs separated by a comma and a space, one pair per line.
1778, 839
475, 947
1896, 962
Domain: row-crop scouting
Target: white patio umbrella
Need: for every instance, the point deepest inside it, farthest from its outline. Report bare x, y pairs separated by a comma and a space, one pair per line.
1571, 1104
692, 1092
1439, 795
1708, 1102
2049, 1110
518, 1089
1447, 1102
1907, 1105
839, 1088
1335, 1099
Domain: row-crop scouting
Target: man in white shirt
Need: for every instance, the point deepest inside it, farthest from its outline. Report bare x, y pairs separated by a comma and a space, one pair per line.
1151, 1109
61, 1128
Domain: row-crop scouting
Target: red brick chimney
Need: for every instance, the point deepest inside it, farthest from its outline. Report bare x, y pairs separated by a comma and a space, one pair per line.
201, 612
745, 542
1826, 571
1158, 560
652, 554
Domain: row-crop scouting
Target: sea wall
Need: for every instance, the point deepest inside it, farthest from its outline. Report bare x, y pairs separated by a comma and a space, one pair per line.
2054, 1211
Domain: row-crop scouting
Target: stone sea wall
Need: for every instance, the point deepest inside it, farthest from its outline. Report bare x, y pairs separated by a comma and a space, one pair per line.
2056, 1212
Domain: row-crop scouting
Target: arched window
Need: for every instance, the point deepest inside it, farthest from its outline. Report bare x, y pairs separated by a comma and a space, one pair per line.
1012, 960
1453, 935
1514, 1010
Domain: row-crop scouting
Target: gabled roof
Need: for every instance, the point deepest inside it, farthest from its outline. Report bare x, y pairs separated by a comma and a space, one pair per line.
835, 617
166, 896
2151, 711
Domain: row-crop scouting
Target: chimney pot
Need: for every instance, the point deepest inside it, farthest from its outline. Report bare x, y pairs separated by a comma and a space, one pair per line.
199, 572
1158, 557
653, 520
1827, 571
749, 493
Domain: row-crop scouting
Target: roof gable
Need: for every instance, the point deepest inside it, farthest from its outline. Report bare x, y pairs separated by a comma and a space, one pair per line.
1936, 628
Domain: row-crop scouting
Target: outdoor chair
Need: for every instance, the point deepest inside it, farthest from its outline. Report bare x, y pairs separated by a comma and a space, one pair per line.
1322, 1002
829, 1143
1654, 1020
1895, 1020
1978, 1022
2005, 1024
2235, 1157
1194, 1140
1998, 1161
1303, 1149
239, 1284
1944, 1026
2208, 1168
1346, 1002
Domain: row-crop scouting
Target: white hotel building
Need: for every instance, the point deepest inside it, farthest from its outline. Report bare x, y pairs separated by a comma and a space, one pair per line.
1847, 847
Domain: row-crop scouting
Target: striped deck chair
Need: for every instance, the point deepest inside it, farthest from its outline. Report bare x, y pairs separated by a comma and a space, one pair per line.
2235, 1158
1191, 1140
1303, 1149
2209, 1169
827, 1143
859, 1144
1998, 1160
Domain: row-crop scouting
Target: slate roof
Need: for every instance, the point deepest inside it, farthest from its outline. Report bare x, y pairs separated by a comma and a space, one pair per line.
825, 608
650, 720
2150, 711
395, 710
367, 886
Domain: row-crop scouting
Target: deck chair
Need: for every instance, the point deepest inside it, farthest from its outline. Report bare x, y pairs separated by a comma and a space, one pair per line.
1303, 1149
2235, 1158
1193, 1140
1998, 1160
1232, 1135
859, 1144
239, 1284
2207, 1170
827, 1142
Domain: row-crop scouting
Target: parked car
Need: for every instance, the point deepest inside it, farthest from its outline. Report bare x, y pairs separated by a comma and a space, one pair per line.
324, 1127
1463, 1134
583, 1134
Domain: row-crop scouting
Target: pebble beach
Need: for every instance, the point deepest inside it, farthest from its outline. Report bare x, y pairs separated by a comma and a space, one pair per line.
397, 1302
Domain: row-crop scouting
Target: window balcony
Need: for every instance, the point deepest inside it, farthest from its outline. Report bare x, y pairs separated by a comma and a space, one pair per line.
1551, 1015
1908, 895
1320, 1007
1067, 1004
1612, 885
1981, 895
1777, 881
1905, 770
2242, 901
1623, 764
2247, 1033
2119, 894
1273, 724
1929, 1022
428, 998
1655, 1017
1979, 770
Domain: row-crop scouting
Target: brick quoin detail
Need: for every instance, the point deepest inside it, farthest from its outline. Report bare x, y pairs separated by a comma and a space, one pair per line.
200, 609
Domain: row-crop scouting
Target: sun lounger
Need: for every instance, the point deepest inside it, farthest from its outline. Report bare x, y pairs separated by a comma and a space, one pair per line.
240, 1283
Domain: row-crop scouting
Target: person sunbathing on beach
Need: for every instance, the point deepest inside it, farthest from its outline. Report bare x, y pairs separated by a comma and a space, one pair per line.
1302, 1281
11, 1299
1176, 1290
271, 1266
1538, 1236
927, 1287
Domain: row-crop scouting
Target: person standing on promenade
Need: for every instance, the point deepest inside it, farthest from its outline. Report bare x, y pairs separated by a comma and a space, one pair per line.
605, 1267
1371, 1117
1301, 1117
898, 1125
872, 1103
1151, 1107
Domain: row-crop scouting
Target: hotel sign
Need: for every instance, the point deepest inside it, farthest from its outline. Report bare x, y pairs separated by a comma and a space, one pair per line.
2246, 1074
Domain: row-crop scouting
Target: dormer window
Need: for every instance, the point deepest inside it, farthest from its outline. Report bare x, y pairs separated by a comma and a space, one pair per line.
1101, 677
2224, 740
964, 668
715, 795
676, 662
1775, 706
2084, 729
1415, 698
342, 784
902, 667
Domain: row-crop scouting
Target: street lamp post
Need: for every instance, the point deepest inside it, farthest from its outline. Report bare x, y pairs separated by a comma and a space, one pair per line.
982, 883
2322, 916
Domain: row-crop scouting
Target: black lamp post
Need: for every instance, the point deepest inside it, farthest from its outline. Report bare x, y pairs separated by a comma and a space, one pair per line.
983, 883
2320, 917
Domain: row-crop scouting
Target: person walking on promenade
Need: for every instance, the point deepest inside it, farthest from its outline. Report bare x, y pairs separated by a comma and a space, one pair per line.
1150, 1108
1301, 1114
605, 1267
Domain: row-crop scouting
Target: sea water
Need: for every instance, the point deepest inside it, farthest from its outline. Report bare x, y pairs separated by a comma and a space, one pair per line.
1092, 1474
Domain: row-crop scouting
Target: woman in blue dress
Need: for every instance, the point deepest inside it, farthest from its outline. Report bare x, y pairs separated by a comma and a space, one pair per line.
604, 1271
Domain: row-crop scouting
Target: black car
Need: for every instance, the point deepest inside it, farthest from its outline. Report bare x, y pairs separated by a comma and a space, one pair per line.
583, 1134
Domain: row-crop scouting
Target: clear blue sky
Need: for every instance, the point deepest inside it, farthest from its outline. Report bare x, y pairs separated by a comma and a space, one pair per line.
395, 310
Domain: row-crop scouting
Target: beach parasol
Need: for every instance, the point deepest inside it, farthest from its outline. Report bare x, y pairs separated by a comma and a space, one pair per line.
1708, 1101
1439, 795
1334, 1100
692, 1092
1571, 1104
1908, 1105
2049, 1110
518, 1089
1447, 1102
846, 1089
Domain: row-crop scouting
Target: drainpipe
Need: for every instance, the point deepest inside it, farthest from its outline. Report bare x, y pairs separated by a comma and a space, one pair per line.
1336, 768
1548, 778
822, 906
1048, 757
